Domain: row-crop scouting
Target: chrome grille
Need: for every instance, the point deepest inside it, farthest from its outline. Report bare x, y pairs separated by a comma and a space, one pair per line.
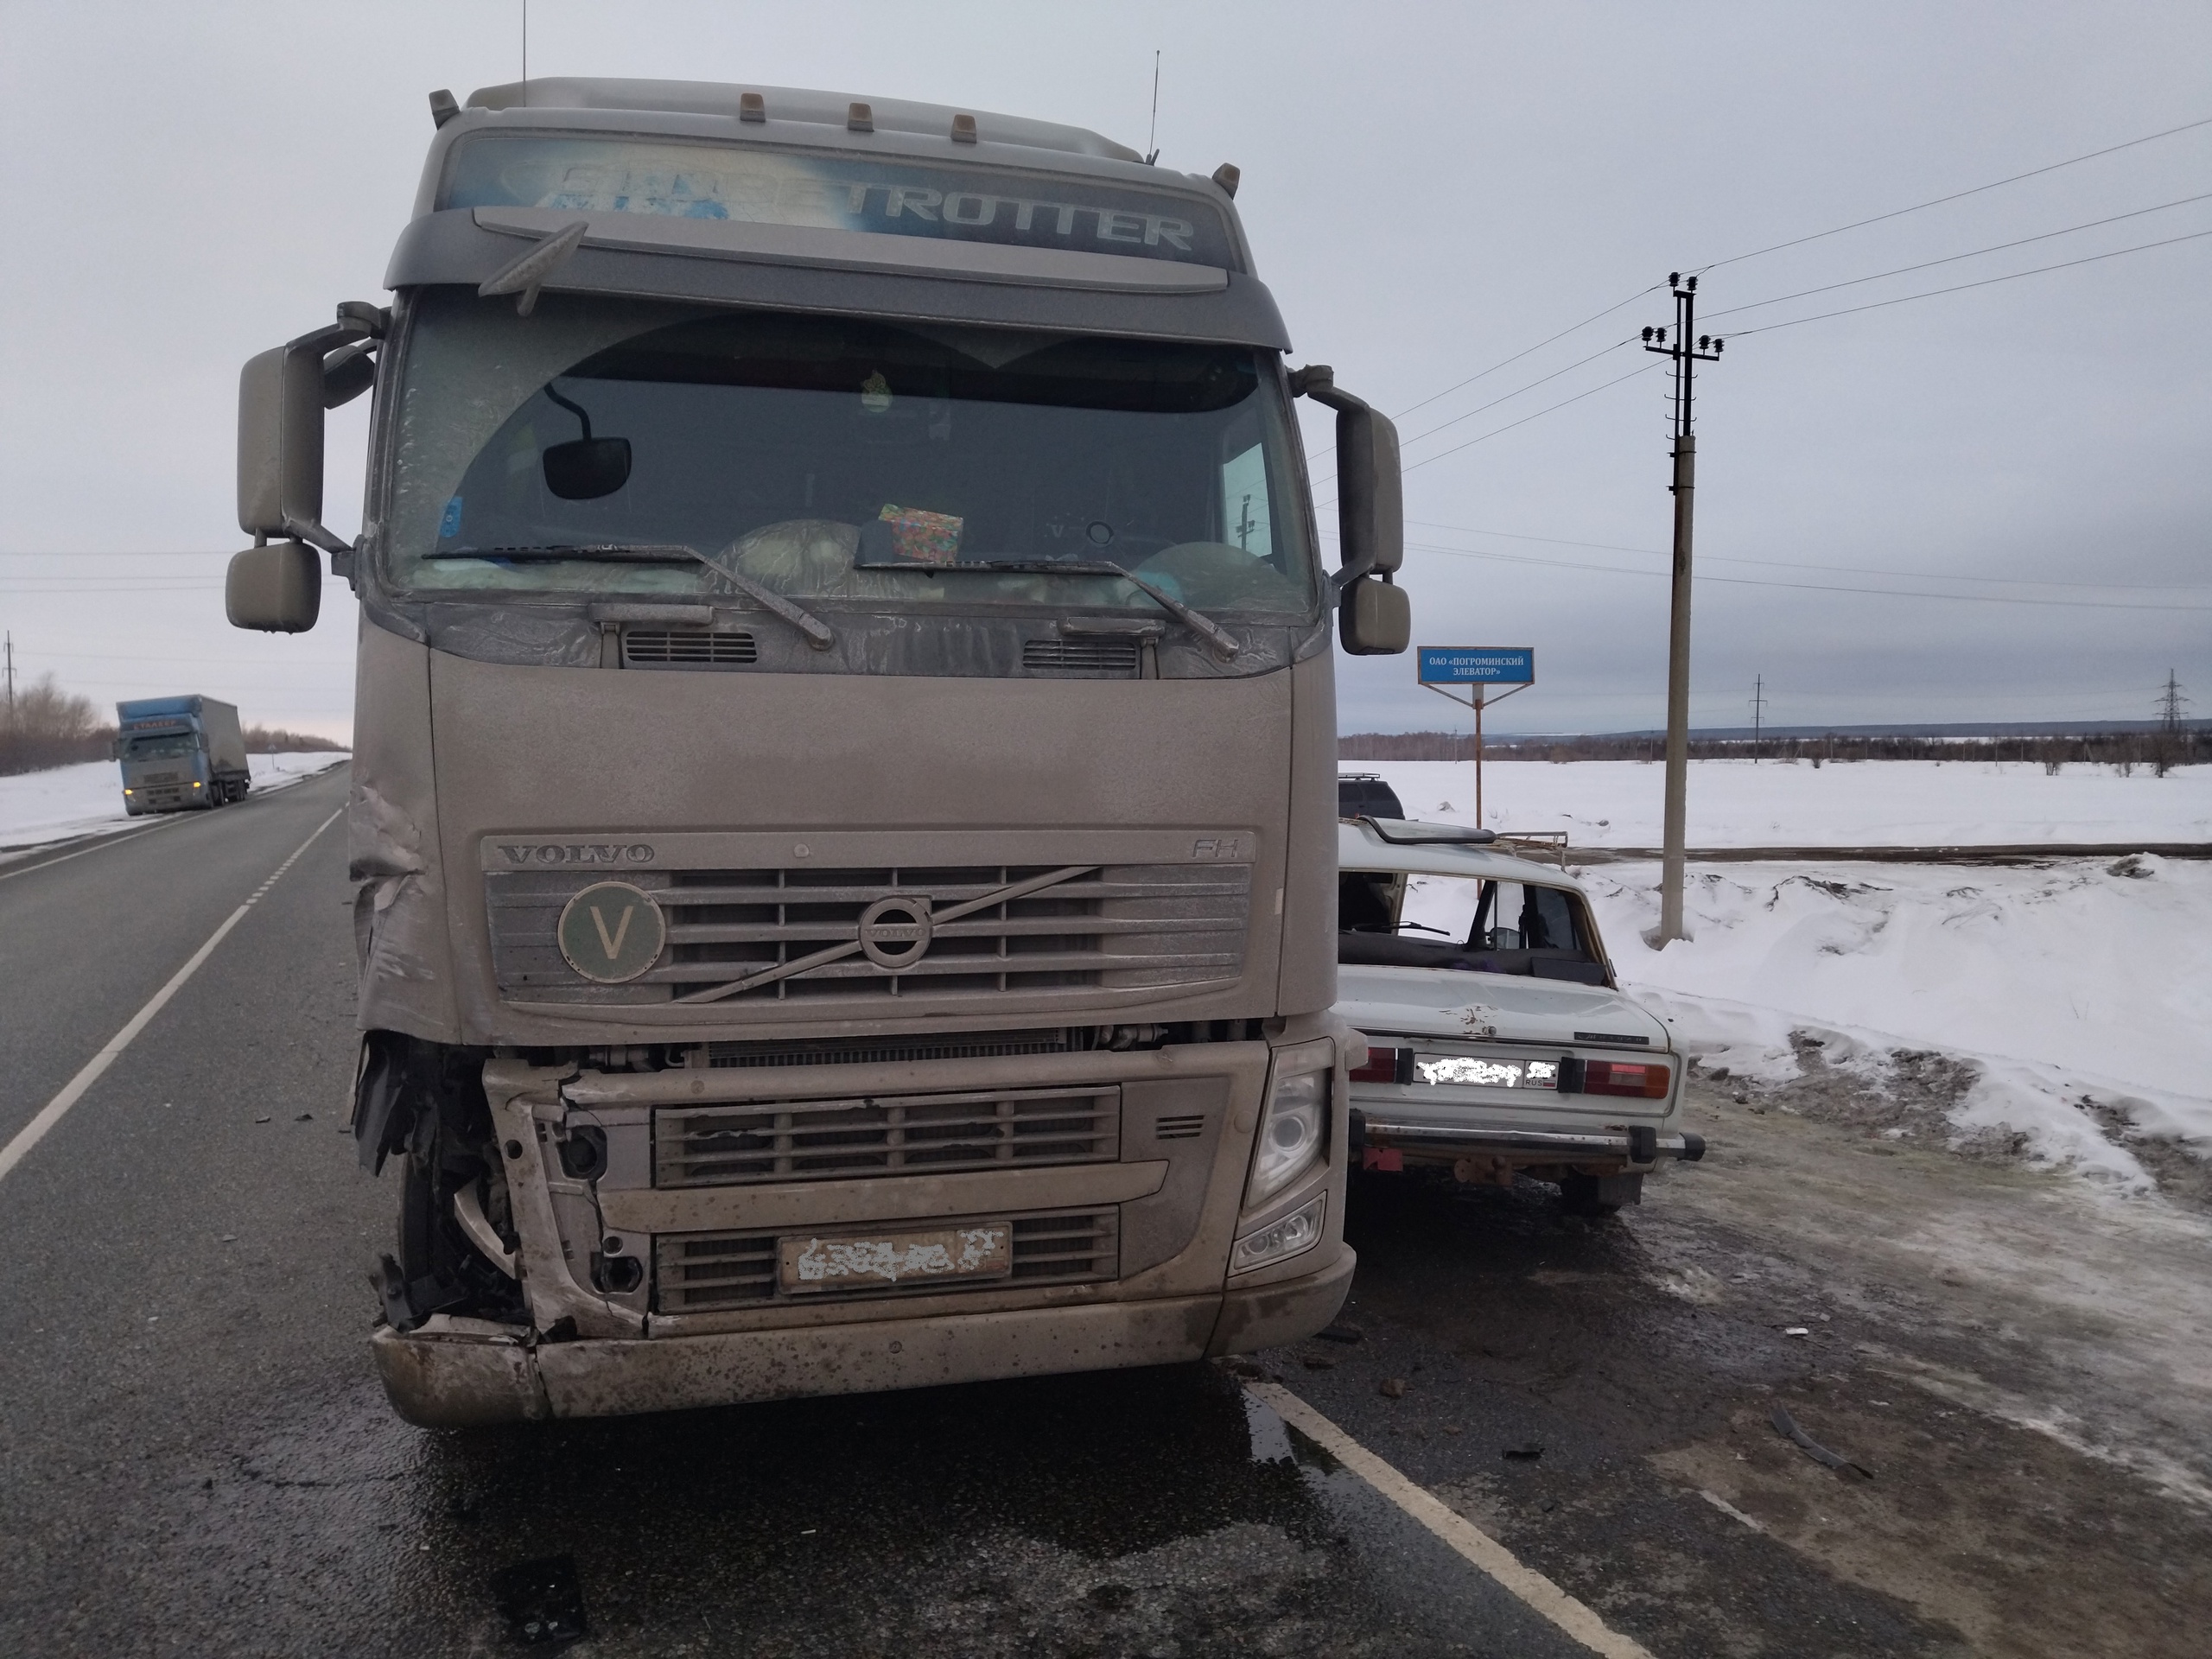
1117, 657
686, 648
696, 1273
885, 1134
886, 1051
1117, 926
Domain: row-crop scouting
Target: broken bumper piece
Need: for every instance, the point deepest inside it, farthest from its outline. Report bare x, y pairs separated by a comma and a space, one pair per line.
459, 1373
1639, 1148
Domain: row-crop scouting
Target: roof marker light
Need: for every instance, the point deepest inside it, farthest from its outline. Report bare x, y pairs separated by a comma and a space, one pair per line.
963, 129
859, 118
751, 106
1226, 176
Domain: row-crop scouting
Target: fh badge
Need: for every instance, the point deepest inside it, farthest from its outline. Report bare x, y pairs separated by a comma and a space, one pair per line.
612, 933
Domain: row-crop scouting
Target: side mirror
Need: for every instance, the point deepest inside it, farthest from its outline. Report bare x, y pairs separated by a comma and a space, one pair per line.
276, 588
1374, 618
280, 441
282, 396
587, 468
1370, 518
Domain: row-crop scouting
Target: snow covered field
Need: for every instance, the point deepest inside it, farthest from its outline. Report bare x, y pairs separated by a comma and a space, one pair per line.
1774, 804
37, 807
2075, 991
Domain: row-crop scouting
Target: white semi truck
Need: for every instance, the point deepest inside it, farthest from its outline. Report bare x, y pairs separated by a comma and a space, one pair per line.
845, 751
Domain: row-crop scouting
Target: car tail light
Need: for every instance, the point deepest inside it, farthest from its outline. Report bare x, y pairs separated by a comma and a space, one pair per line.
1385, 1065
1638, 1081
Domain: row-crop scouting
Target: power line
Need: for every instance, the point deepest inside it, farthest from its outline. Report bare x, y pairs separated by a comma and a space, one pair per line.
1808, 586
1538, 346
1958, 195
1961, 287
1495, 402
1641, 369
1814, 564
1951, 259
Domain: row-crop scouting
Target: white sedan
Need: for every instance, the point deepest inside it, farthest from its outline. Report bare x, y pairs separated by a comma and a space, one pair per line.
1498, 1042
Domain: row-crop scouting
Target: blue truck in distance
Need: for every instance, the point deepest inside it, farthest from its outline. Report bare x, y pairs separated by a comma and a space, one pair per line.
180, 754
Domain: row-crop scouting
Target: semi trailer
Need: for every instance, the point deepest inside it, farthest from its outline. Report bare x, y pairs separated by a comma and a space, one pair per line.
180, 754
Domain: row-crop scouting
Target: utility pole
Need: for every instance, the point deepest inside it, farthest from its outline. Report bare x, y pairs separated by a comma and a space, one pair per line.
1685, 355
1758, 708
11, 679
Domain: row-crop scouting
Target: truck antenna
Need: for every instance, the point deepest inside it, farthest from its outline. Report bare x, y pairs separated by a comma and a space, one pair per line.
525, 53
1152, 133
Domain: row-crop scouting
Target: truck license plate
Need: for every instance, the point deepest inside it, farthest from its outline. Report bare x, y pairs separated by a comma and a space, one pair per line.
811, 1262
1484, 1073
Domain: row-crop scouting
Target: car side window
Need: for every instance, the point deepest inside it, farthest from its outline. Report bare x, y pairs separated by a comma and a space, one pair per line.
1547, 920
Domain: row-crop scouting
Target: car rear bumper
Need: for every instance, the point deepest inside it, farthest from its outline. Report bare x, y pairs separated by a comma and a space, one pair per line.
1635, 1148
468, 1373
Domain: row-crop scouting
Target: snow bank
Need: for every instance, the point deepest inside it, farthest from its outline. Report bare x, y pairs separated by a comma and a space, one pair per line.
1774, 804
2072, 988
38, 807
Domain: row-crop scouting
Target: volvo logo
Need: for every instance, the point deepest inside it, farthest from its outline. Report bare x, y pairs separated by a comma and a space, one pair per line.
612, 933
589, 852
895, 931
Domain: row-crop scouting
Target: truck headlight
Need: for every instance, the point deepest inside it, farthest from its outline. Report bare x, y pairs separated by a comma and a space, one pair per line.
1299, 1231
1295, 1123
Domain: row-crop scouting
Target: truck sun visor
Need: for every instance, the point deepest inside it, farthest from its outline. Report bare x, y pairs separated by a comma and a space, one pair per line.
840, 193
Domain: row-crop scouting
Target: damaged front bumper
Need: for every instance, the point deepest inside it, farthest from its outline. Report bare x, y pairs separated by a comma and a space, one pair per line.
458, 1373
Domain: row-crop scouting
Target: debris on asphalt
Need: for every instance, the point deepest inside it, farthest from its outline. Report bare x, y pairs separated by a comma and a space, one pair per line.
304, 1118
1796, 1331
1319, 1363
542, 1598
1343, 1333
261, 1119
1786, 1426
1394, 1387
1527, 1452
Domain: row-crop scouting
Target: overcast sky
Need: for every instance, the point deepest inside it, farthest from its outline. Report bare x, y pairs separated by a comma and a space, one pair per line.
1430, 189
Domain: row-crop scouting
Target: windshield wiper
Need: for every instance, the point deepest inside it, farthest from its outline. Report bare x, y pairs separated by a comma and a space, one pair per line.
818, 633
1224, 644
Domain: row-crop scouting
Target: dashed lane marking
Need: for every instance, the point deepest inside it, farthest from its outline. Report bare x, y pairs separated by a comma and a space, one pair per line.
52, 1112
1466, 1539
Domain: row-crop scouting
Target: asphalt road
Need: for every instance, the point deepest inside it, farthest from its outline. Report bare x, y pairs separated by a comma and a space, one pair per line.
199, 1460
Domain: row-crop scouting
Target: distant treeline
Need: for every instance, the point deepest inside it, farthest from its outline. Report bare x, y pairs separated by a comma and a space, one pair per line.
49, 727
2126, 750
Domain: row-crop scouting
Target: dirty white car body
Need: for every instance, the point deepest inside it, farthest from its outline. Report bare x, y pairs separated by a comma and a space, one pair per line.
1499, 1042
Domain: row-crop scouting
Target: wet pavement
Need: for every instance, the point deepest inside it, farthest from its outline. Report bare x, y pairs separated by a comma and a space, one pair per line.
196, 1458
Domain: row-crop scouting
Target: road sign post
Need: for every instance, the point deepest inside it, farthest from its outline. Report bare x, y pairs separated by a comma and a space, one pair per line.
1487, 674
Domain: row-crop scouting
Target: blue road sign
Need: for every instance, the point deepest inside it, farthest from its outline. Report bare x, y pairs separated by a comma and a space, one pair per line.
1478, 665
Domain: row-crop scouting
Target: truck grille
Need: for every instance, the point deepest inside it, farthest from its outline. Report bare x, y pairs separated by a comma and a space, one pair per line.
885, 1050
697, 1272
1117, 927
816, 1139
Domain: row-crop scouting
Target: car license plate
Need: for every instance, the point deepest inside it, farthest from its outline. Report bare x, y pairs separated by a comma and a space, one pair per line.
810, 1262
1485, 1073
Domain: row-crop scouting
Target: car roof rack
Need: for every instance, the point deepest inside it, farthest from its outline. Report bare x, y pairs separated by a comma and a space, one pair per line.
1408, 832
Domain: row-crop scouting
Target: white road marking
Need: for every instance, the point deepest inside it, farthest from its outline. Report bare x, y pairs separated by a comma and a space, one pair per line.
1462, 1536
103, 841
52, 1112
1726, 1508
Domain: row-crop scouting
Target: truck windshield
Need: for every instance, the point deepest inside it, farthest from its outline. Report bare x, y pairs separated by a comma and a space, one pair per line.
1391, 918
837, 459
166, 746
